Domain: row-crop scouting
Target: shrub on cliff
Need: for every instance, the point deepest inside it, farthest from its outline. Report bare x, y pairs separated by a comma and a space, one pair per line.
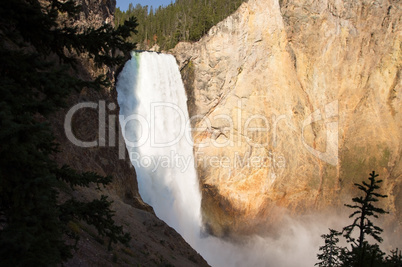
38, 50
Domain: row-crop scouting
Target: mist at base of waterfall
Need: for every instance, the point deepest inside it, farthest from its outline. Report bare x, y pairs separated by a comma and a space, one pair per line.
156, 128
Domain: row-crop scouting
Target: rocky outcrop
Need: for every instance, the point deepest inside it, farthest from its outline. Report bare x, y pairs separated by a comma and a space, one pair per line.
153, 242
95, 13
295, 101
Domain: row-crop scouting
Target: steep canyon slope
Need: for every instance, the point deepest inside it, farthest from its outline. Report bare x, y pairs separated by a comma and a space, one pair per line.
153, 242
293, 102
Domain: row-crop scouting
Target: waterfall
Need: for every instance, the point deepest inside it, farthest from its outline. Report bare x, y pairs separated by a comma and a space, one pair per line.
157, 132
156, 129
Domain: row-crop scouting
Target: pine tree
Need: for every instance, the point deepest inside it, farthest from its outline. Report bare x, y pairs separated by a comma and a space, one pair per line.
39, 68
364, 211
330, 251
186, 20
361, 253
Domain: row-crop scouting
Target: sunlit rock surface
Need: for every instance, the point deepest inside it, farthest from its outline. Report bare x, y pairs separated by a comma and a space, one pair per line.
294, 103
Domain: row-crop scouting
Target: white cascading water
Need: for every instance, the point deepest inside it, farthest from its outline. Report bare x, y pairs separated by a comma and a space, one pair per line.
150, 90
154, 119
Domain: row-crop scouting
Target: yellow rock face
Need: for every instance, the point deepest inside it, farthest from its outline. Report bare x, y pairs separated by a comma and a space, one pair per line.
292, 104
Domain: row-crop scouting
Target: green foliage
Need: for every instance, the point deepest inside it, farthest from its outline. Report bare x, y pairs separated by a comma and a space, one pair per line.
38, 50
360, 253
330, 251
96, 213
185, 20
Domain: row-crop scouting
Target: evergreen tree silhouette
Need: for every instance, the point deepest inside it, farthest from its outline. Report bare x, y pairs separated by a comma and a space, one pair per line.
363, 214
361, 253
330, 251
38, 49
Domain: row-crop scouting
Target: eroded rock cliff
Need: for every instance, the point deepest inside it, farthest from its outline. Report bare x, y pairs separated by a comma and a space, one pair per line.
295, 101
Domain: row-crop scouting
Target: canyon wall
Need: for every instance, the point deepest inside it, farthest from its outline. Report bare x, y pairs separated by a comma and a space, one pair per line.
294, 102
